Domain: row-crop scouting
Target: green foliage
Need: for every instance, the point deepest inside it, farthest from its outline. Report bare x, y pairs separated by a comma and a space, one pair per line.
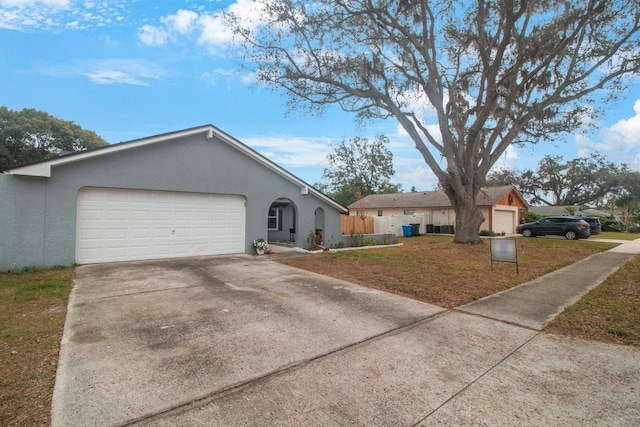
31, 135
26, 270
612, 225
488, 233
635, 229
529, 216
359, 168
33, 291
356, 239
572, 183
311, 241
387, 239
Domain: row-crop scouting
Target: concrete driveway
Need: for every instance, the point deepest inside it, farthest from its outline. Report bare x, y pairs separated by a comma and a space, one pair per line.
242, 340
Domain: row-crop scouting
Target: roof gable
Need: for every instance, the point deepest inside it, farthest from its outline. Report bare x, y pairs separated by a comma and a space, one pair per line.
45, 168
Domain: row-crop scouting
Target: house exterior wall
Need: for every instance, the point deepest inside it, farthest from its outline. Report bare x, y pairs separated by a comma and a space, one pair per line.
509, 204
38, 221
22, 226
439, 216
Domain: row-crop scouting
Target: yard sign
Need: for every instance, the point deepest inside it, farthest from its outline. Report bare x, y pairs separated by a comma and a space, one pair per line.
504, 250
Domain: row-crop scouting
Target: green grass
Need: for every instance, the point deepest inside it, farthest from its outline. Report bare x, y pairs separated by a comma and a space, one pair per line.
32, 313
616, 235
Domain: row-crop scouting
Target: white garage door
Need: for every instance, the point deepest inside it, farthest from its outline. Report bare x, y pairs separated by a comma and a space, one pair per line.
504, 220
122, 225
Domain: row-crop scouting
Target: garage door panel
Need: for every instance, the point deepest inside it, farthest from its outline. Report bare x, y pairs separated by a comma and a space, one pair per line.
140, 215
504, 220
120, 225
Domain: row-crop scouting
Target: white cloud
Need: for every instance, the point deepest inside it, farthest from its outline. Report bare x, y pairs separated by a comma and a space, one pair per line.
291, 151
508, 160
114, 77
211, 29
215, 31
152, 36
111, 71
415, 175
619, 142
54, 15
181, 22
27, 3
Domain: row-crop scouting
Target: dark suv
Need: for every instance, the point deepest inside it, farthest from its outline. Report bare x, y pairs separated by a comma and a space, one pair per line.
571, 227
594, 224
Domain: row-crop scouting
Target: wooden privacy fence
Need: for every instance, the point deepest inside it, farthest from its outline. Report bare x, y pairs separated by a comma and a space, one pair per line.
356, 224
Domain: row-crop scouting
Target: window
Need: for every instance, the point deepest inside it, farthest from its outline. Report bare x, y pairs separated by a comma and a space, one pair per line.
273, 219
379, 213
361, 213
409, 211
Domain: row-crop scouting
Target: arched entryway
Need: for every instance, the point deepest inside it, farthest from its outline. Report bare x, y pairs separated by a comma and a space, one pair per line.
282, 222
319, 226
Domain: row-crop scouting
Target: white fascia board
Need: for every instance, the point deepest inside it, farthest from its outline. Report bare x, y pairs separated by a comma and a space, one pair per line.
43, 169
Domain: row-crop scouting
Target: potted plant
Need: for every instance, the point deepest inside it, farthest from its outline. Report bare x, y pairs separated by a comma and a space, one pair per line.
261, 246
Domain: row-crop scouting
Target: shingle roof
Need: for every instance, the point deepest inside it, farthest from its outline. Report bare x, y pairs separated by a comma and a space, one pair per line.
488, 196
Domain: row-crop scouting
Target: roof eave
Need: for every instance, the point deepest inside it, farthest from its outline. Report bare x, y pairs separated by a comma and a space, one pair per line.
43, 168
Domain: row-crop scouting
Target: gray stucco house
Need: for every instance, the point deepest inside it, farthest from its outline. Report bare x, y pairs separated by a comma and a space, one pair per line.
193, 192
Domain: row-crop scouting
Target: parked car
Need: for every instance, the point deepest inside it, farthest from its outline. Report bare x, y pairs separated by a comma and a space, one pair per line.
571, 227
594, 224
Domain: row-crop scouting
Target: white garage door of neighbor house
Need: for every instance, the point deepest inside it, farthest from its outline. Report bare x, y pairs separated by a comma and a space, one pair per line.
122, 225
504, 220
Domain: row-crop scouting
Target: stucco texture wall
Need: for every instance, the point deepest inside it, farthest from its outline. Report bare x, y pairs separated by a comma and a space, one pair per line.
39, 214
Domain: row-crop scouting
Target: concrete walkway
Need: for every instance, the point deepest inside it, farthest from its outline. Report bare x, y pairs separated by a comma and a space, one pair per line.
243, 341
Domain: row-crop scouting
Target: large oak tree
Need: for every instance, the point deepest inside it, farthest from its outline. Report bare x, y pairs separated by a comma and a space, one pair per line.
494, 72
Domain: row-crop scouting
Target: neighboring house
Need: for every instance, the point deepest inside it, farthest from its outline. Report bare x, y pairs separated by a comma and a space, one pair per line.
500, 207
194, 192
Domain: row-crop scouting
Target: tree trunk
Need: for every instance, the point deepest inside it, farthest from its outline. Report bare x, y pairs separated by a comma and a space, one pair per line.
469, 218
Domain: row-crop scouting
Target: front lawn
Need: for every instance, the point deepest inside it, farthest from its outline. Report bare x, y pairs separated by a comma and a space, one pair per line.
616, 235
33, 306
610, 312
435, 270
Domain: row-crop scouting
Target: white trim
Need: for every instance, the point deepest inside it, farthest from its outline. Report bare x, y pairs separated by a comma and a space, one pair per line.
43, 169
37, 168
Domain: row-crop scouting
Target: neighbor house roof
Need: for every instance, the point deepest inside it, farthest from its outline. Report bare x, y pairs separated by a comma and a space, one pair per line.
44, 168
488, 196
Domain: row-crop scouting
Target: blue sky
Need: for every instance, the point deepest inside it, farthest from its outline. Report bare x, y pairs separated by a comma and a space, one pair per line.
129, 69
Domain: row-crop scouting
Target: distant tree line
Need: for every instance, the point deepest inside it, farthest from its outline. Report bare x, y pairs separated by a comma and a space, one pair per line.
591, 180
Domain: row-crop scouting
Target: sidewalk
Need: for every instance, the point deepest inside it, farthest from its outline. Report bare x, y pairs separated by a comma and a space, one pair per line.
534, 304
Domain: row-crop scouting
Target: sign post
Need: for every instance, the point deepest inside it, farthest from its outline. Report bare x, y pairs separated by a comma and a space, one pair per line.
504, 250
